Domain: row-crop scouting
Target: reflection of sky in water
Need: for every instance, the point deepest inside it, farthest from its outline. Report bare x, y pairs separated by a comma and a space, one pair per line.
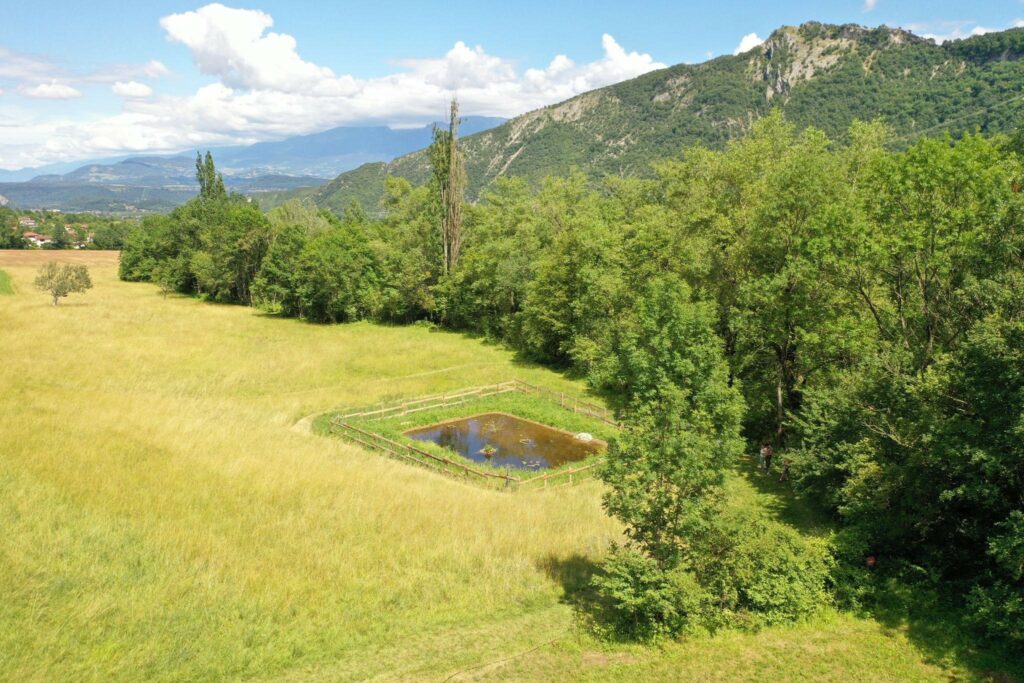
505, 441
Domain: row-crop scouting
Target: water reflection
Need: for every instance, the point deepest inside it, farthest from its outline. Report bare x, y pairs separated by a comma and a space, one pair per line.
506, 441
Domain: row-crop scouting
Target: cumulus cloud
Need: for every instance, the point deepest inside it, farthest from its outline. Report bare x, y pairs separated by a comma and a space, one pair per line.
234, 44
131, 89
748, 42
51, 91
945, 31
266, 90
869, 5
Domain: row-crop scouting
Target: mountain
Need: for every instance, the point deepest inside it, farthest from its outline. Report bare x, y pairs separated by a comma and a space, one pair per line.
159, 183
820, 75
135, 184
328, 153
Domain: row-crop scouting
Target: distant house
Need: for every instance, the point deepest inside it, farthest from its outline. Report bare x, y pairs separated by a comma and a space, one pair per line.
26, 222
36, 238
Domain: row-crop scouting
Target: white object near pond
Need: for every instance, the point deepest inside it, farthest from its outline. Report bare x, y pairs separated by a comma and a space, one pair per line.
584, 437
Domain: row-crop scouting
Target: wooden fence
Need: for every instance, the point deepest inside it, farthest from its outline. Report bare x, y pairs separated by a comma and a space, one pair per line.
460, 396
341, 425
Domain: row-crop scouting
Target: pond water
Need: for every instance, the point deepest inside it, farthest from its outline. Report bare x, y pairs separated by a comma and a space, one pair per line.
504, 441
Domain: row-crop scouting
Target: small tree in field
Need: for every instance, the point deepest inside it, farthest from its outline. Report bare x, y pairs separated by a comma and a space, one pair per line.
62, 279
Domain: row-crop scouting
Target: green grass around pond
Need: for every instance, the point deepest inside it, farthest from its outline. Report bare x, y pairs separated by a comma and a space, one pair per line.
6, 286
526, 406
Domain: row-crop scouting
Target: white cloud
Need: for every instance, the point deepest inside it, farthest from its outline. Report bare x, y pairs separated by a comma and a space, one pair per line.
18, 66
869, 5
748, 42
113, 73
265, 90
234, 45
51, 91
131, 89
945, 31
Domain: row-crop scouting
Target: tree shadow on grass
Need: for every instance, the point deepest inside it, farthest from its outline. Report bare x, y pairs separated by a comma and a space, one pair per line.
574, 574
939, 630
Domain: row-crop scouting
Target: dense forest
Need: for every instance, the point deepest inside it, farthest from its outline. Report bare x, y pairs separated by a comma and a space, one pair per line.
860, 309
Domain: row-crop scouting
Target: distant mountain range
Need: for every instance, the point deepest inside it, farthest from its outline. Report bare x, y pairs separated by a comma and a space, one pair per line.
158, 183
820, 75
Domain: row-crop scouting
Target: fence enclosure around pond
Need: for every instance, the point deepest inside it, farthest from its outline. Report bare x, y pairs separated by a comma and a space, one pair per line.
341, 425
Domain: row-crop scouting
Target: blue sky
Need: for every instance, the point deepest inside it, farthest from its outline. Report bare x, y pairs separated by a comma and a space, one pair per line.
81, 80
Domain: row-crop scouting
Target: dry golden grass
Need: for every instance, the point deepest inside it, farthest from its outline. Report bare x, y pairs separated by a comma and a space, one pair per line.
162, 521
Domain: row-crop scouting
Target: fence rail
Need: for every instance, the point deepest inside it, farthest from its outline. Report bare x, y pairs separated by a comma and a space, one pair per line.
340, 424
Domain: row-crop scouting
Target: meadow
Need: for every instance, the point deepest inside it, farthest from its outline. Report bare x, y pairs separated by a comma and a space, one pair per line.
164, 519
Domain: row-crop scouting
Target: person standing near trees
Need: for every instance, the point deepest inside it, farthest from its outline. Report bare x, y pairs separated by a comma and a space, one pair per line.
767, 451
786, 463
762, 456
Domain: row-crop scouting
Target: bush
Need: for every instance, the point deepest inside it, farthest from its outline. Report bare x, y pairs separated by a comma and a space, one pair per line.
643, 601
762, 572
998, 611
743, 573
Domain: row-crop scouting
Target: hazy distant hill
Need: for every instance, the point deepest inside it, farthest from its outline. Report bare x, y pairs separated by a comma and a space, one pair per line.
158, 183
820, 75
339, 149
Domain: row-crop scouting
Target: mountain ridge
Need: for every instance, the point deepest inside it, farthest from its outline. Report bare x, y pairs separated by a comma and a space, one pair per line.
820, 75
161, 181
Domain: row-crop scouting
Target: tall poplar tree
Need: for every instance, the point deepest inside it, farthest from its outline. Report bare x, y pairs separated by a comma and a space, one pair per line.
449, 173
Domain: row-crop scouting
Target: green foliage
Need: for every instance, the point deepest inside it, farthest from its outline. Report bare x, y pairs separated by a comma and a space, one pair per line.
337, 277
211, 183
577, 279
762, 572
645, 602
61, 279
665, 472
690, 566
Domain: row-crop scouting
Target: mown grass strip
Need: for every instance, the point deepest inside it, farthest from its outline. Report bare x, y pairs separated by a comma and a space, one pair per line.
6, 286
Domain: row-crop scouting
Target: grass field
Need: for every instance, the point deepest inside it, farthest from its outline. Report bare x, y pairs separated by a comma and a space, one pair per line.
163, 520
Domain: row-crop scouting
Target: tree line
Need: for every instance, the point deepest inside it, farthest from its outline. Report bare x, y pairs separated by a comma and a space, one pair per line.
859, 308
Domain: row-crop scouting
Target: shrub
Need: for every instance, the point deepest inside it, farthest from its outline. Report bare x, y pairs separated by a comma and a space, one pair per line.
643, 601
762, 572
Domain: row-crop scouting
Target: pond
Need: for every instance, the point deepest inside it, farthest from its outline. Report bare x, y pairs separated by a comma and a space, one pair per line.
506, 441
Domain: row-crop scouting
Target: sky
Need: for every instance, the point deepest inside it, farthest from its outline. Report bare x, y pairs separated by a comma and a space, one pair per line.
85, 80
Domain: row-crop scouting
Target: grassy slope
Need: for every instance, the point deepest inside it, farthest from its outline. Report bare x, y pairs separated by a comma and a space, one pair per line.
162, 520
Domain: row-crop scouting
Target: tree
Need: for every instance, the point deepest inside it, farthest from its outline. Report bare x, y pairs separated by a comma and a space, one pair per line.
449, 177
61, 279
211, 183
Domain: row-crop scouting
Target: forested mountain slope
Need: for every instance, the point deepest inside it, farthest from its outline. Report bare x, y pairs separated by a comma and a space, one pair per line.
821, 75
